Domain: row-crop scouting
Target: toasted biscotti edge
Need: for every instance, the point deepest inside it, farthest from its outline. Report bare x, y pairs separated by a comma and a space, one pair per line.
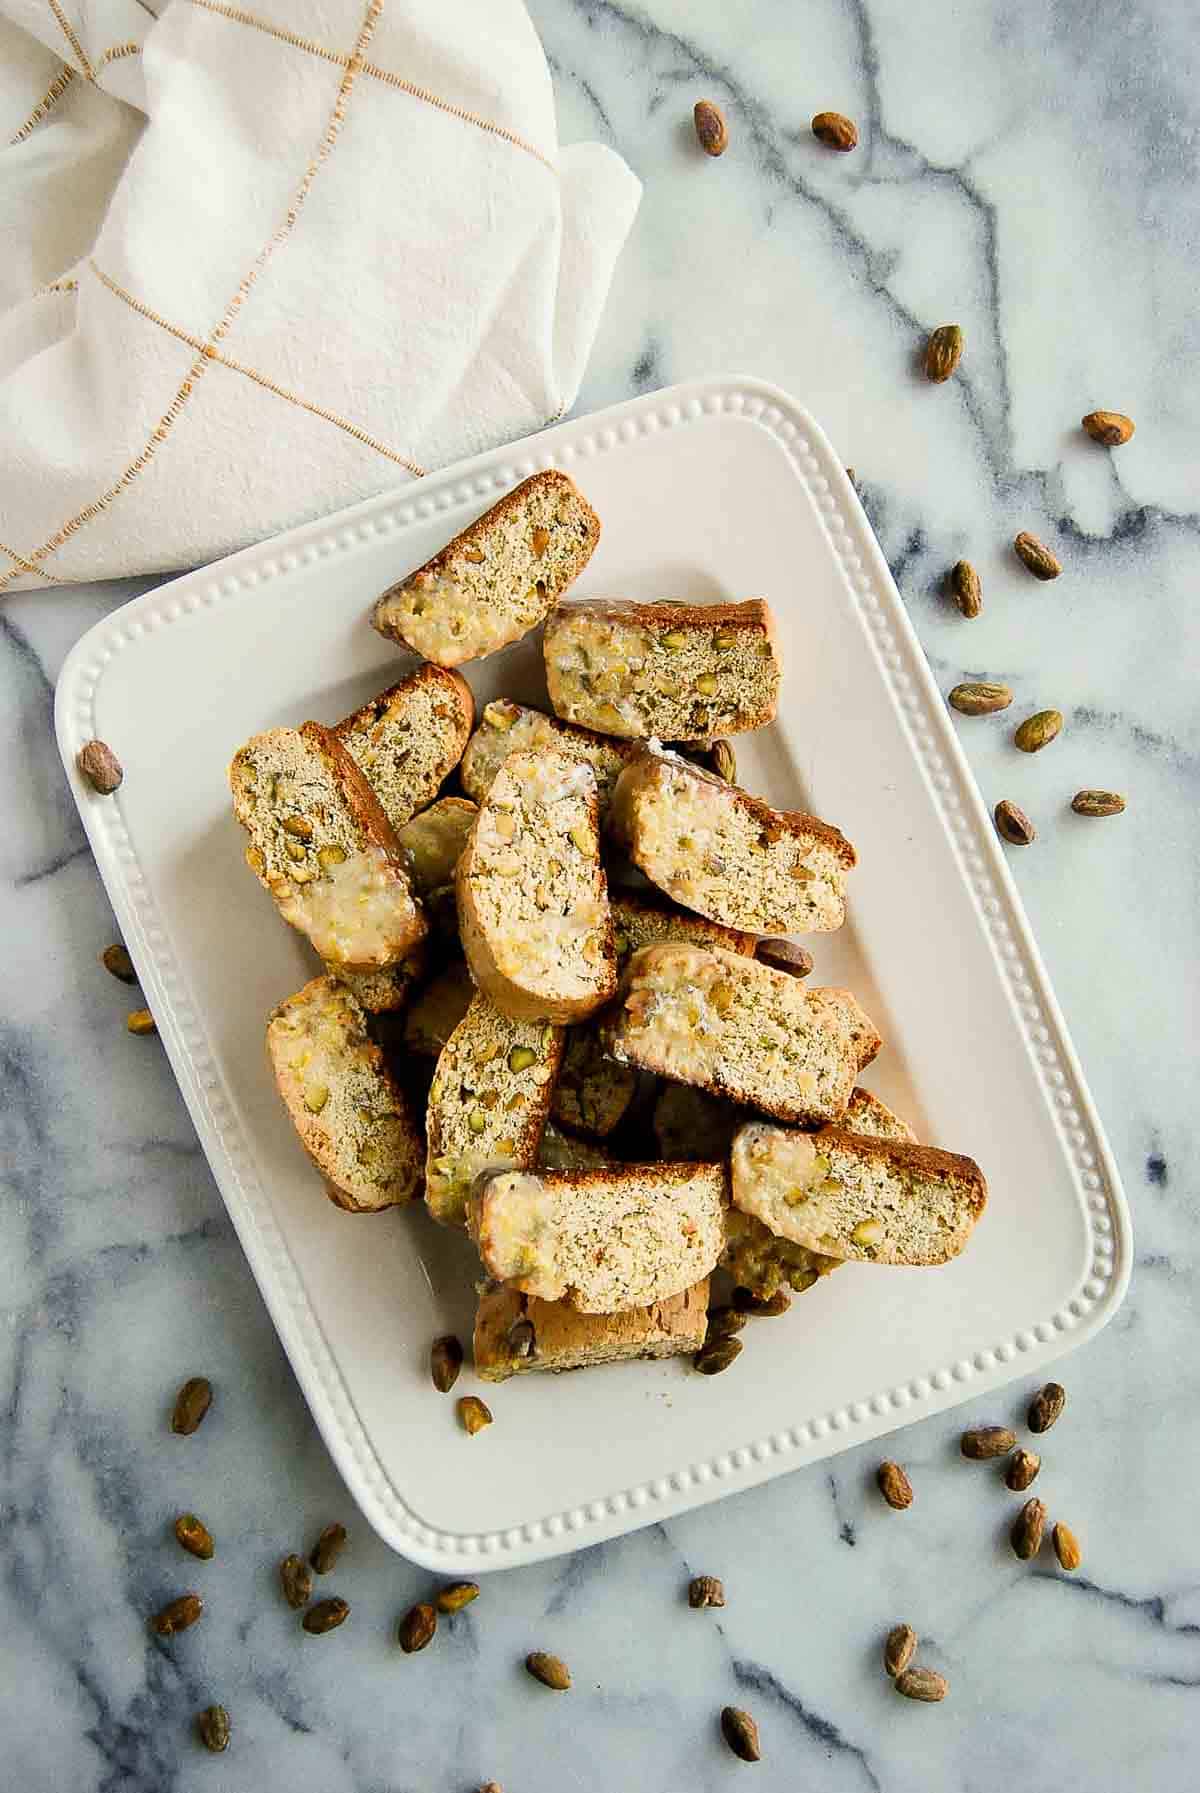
517, 1333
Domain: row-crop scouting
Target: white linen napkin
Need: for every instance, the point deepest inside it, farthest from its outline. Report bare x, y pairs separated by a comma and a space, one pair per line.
259, 262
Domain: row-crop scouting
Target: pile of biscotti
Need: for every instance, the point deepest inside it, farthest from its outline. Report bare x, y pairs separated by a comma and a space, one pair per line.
609, 1087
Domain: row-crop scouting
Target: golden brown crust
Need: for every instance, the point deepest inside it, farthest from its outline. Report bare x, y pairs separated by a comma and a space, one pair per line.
690, 926
550, 1335
924, 1161
360, 799
752, 613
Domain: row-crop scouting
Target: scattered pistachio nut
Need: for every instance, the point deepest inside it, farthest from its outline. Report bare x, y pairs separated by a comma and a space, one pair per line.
835, 131
212, 1726
474, 1414
784, 955
191, 1404
980, 699
899, 1648
741, 1734
417, 1628
1022, 1470
965, 588
141, 1021
723, 1322
711, 129
1046, 1407
762, 1307
1028, 1526
1013, 825
894, 1485
1111, 428
325, 1616
1066, 1548
723, 760
943, 352
296, 1580
194, 1536
716, 1355
116, 960
705, 1590
177, 1615
1097, 803
1037, 731
982, 1442
100, 766
457, 1594
551, 1671
328, 1548
1036, 556
921, 1684
445, 1361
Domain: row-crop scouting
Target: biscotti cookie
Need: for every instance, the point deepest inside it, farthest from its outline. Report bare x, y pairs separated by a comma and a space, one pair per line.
727, 855
350, 1114
532, 895
563, 1151
487, 1104
678, 671
605, 1240
408, 740
323, 847
431, 844
383, 992
506, 728
436, 1011
498, 579
737, 1028
515, 1333
880, 1200
758, 1260
866, 1114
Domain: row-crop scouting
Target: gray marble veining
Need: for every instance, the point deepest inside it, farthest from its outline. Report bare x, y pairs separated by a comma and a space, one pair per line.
1030, 172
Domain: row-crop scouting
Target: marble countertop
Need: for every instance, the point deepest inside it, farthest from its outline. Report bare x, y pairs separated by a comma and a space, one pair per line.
1029, 172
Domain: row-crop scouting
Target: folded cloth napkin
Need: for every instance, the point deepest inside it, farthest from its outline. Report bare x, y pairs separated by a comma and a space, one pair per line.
261, 261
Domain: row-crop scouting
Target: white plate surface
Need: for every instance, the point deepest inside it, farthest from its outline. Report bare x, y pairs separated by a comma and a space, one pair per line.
713, 490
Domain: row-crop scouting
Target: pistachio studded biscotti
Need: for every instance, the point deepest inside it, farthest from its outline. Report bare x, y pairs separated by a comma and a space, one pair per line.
678, 671
507, 727
487, 1104
496, 580
515, 1333
431, 843
866, 1114
532, 895
849, 1196
408, 740
604, 1241
384, 992
350, 1114
322, 845
740, 1029
727, 855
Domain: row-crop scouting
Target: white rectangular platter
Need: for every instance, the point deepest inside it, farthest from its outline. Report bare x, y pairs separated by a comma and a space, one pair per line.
712, 490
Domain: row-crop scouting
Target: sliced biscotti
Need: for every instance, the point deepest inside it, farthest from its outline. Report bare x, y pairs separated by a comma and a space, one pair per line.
487, 1104
350, 1114
408, 740
738, 1028
506, 728
322, 845
881, 1200
726, 854
593, 1091
383, 992
515, 1333
532, 895
866, 1114
563, 1151
678, 671
637, 923
436, 1011
760, 1261
605, 1240
498, 579
432, 843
